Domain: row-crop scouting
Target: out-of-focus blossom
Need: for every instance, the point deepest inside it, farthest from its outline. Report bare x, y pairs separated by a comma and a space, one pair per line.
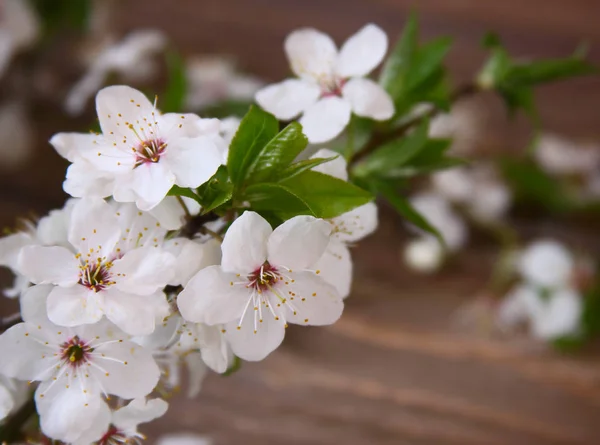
215, 79
560, 156
183, 439
13, 393
132, 59
463, 125
19, 28
331, 84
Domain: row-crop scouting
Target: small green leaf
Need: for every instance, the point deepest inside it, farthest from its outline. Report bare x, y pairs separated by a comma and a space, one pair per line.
406, 210
276, 199
173, 99
396, 153
543, 71
326, 196
255, 131
216, 191
180, 191
428, 60
235, 366
301, 166
278, 154
394, 71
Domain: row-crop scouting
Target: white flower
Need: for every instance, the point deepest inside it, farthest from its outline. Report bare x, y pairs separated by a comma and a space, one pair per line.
191, 256
75, 366
19, 28
331, 84
130, 58
141, 153
554, 315
105, 273
463, 125
477, 189
50, 230
124, 423
424, 255
263, 283
214, 79
336, 263
183, 439
561, 156
547, 264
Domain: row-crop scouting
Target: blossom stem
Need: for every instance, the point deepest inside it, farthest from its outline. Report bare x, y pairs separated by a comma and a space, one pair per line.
379, 138
181, 202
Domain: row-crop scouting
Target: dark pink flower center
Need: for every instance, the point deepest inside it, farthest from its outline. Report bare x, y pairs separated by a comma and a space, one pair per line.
113, 436
75, 352
95, 276
264, 278
149, 151
333, 87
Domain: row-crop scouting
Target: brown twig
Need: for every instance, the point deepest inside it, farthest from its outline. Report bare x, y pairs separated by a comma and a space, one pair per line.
378, 139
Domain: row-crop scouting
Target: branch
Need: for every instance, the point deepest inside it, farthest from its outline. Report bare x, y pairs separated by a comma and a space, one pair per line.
378, 139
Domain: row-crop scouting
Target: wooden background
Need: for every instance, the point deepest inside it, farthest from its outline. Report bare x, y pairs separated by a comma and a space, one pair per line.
394, 370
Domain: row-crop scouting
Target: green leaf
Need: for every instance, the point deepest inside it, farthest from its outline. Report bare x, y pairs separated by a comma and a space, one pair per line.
427, 61
406, 210
173, 99
543, 71
255, 131
216, 191
278, 154
301, 166
276, 199
395, 153
180, 191
395, 69
326, 196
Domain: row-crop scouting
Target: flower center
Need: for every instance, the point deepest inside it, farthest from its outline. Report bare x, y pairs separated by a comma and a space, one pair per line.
75, 352
332, 87
149, 151
263, 278
114, 436
96, 276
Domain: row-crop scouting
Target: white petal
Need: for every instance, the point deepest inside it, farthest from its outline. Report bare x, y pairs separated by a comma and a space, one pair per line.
143, 271
73, 306
214, 348
71, 145
424, 254
94, 227
169, 213
132, 372
362, 52
516, 307
10, 247
311, 53
254, 346
355, 224
197, 371
368, 99
120, 106
316, 302
299, 242
193, 161
22, 347
245, 244
53, 228
561, 316
211, 298
336, 267
287, 99
138, 411
326, 119
135, 314
546, 263
192, 256
338, 167
151, 183
70, 414
85, 181
33, 304
49, 265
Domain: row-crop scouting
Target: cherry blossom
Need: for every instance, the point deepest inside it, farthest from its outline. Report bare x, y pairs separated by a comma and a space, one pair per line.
19, 28
331, 84
336, 263
141, 153
265, 281
107, 271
